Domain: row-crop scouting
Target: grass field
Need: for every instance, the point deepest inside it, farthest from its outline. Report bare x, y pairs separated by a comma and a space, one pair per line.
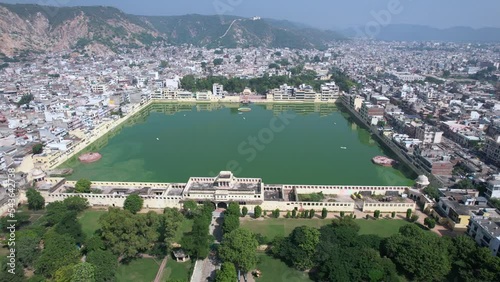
176, 271
186, 226
139, 270
89, 221
274, 270
283, 226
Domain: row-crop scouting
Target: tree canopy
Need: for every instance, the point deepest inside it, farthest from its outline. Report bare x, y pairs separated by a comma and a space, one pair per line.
239, 247
83, 186
133, 203
35, 199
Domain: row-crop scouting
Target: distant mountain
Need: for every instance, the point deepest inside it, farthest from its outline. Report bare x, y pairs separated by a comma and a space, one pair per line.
425, 33
36, 28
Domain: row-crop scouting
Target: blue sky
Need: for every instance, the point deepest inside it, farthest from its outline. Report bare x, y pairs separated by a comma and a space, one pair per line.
319, 13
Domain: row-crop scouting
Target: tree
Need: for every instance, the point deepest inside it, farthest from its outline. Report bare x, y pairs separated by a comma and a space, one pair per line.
189, 207
126, 234
244, 211
218, 61
465, 184
298, 248
25, 100
37, 149
76, 203
393, 214
70, 225
21, 219
312, 213
7, 274
430, 222
276, 213
35, 199
27, 249
347, 222
55, 212
59, 250
239, 247
64, 274
342, 213
238, 58
231, 223
433, 192
414, 218
412, 244
83, 272
227, 273
83, 186
257, 212
233, 209
294, 213
376, 214
324, 213
133, 203
94, 243
172, 219
305, 214
408, 214
105, 264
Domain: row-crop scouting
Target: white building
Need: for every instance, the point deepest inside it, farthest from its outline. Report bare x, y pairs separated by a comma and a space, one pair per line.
486, 232
218, 90
428, 135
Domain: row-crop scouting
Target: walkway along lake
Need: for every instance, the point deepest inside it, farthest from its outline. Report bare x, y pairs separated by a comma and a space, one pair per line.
281, 143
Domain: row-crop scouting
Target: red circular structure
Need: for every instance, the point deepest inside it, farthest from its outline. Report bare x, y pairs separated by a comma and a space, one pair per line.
383, 161
89, 157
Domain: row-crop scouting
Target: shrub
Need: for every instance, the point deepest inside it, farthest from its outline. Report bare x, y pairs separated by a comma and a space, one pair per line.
324, 213
414, 218
257, 212
430, 222
408, 214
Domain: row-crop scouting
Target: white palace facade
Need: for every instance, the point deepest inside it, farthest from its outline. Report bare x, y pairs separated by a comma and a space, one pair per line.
226, 188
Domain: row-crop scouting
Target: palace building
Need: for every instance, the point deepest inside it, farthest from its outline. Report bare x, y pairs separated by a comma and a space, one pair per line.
226, 188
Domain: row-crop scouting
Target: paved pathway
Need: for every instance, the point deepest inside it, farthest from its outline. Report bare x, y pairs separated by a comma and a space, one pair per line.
159, 274
205, 269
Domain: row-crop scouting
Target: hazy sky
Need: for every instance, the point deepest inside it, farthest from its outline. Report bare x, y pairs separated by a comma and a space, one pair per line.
318, 13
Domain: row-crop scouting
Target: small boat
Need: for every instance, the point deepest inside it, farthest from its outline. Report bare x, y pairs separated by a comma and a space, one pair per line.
244, 118
157, 138
343, 148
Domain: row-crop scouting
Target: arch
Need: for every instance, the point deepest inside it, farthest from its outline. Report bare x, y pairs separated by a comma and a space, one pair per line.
222, 205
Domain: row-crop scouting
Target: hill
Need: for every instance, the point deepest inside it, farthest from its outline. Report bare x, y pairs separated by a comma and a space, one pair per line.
99, 29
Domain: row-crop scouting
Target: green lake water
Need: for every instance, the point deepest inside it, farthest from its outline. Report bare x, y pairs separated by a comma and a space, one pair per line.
282, 144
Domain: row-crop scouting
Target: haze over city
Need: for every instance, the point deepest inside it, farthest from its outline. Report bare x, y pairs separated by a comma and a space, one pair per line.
324, 14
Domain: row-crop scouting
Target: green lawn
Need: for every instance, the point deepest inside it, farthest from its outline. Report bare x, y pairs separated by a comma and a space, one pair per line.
176, 271
272, 227
139, 270
89, 221
186, 226
274, 270
380, 227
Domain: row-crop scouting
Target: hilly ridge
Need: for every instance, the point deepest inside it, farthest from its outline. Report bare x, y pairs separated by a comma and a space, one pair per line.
101, 30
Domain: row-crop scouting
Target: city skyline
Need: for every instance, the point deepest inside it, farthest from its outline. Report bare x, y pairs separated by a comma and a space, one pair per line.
324, 14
